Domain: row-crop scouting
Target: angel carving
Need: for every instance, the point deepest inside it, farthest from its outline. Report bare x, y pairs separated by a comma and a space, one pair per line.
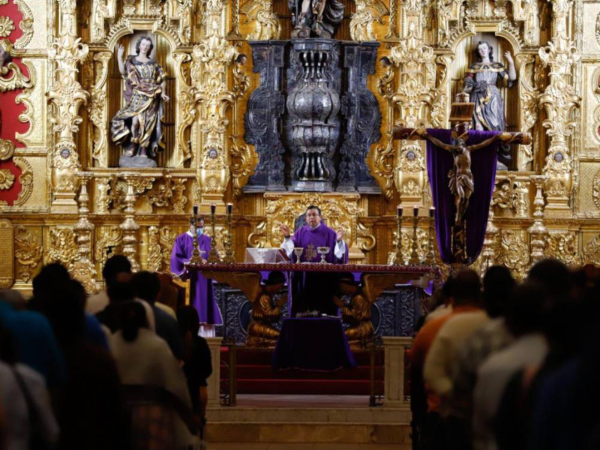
367, 12
267, 23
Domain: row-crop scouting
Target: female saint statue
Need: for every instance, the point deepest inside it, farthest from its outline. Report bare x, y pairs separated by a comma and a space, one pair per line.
315, 18
137, 127
481, 83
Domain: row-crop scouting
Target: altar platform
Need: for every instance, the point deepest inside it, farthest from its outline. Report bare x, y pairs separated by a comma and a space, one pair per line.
271, 421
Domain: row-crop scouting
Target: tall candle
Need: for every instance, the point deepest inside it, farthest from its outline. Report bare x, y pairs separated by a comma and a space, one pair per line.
399, 211
195, 209
213, 208
416, 211
431, 211
229, 208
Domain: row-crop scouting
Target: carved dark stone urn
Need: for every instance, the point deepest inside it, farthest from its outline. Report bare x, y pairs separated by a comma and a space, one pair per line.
313, 107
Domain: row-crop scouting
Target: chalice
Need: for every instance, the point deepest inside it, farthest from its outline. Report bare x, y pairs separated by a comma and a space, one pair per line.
323, 251
298, 252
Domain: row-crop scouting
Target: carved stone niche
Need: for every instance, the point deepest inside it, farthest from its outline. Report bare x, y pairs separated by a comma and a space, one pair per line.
329, 117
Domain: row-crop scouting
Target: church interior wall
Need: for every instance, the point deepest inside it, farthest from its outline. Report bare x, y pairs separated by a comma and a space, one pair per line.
56, 148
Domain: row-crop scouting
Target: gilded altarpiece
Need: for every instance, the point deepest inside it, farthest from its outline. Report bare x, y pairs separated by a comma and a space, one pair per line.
64, 198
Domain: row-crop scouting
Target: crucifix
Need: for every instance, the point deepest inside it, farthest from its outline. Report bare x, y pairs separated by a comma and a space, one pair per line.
461, 181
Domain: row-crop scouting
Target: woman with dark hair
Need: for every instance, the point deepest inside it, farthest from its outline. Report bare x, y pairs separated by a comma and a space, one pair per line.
145, 359
137, 127
480, 82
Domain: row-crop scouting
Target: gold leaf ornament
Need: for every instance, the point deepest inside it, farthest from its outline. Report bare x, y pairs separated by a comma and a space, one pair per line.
6, 26
7, 179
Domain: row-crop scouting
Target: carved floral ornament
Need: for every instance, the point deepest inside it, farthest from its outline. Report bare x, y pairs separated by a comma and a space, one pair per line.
6, 26
7, 179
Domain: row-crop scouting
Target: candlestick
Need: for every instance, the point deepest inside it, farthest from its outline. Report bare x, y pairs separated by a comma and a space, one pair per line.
196, 259
213, 256
228, 242
430, 259
414, 255
398, 260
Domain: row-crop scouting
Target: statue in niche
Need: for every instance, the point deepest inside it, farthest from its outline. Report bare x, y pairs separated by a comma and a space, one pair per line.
137, 127
315, 18
480, 83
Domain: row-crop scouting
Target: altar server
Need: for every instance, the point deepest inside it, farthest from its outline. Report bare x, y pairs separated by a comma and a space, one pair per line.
201, 289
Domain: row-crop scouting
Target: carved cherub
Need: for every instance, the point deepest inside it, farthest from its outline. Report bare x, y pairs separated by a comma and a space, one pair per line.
367, 12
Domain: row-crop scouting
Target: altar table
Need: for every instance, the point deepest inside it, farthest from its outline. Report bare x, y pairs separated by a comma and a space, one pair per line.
312, 344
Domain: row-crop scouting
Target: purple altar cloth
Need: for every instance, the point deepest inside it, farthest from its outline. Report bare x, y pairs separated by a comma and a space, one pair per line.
483, 166
318, 344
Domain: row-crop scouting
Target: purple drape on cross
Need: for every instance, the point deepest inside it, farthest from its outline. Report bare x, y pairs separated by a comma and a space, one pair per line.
483, 166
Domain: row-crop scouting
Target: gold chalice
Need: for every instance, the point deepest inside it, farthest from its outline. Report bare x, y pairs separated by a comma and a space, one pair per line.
298, 252
323, 251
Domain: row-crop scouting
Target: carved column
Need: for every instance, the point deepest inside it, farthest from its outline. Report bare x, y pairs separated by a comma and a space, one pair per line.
363, 119
559, 100
538, 230
395, 352
214, 381
83, 267
67, 96
129, 225
263, 117
211, 62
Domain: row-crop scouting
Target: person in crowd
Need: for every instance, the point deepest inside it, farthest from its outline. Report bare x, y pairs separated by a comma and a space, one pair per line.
442, 305
29, 421
121, 291
114, 266
35, 343
439, 362
14, 298
147, 287
201, 289
493, 336
197, 360
91, 409
567, 323
524, 321
52, 280
143, 358
460, 287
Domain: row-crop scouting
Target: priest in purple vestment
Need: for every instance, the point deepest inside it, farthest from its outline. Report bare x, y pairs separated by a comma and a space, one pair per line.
313, 291
201, 289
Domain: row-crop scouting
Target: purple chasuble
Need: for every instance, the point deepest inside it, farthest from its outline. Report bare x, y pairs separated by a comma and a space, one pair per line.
483, 167
310, 290
201, 289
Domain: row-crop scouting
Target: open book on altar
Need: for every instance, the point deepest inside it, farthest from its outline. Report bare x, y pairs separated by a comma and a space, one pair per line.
266, 256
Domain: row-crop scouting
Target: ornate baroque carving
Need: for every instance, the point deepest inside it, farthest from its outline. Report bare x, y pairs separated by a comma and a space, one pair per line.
267, 26
28, 253
361, 22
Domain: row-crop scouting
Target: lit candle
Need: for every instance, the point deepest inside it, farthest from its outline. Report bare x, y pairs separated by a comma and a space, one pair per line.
229, 208
431, 211
213, 208
416, 211
195, 209
399, 211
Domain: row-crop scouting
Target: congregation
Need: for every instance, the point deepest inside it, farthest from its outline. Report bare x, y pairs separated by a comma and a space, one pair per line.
502, 365
124, 369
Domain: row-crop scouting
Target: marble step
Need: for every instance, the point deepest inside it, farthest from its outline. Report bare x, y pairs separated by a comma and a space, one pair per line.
331, 433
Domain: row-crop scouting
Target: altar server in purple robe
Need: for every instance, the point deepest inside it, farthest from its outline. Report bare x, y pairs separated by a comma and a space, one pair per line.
314, 291
201, 289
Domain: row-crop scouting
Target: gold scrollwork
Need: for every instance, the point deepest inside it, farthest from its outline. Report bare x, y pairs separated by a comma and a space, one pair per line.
62, 247
12, 77
591, 251
267, 24
7, 248
563, 246
108, 238
28, 253
514, 252
26, 180
367, 13
7, 149
258, 238
26, 24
